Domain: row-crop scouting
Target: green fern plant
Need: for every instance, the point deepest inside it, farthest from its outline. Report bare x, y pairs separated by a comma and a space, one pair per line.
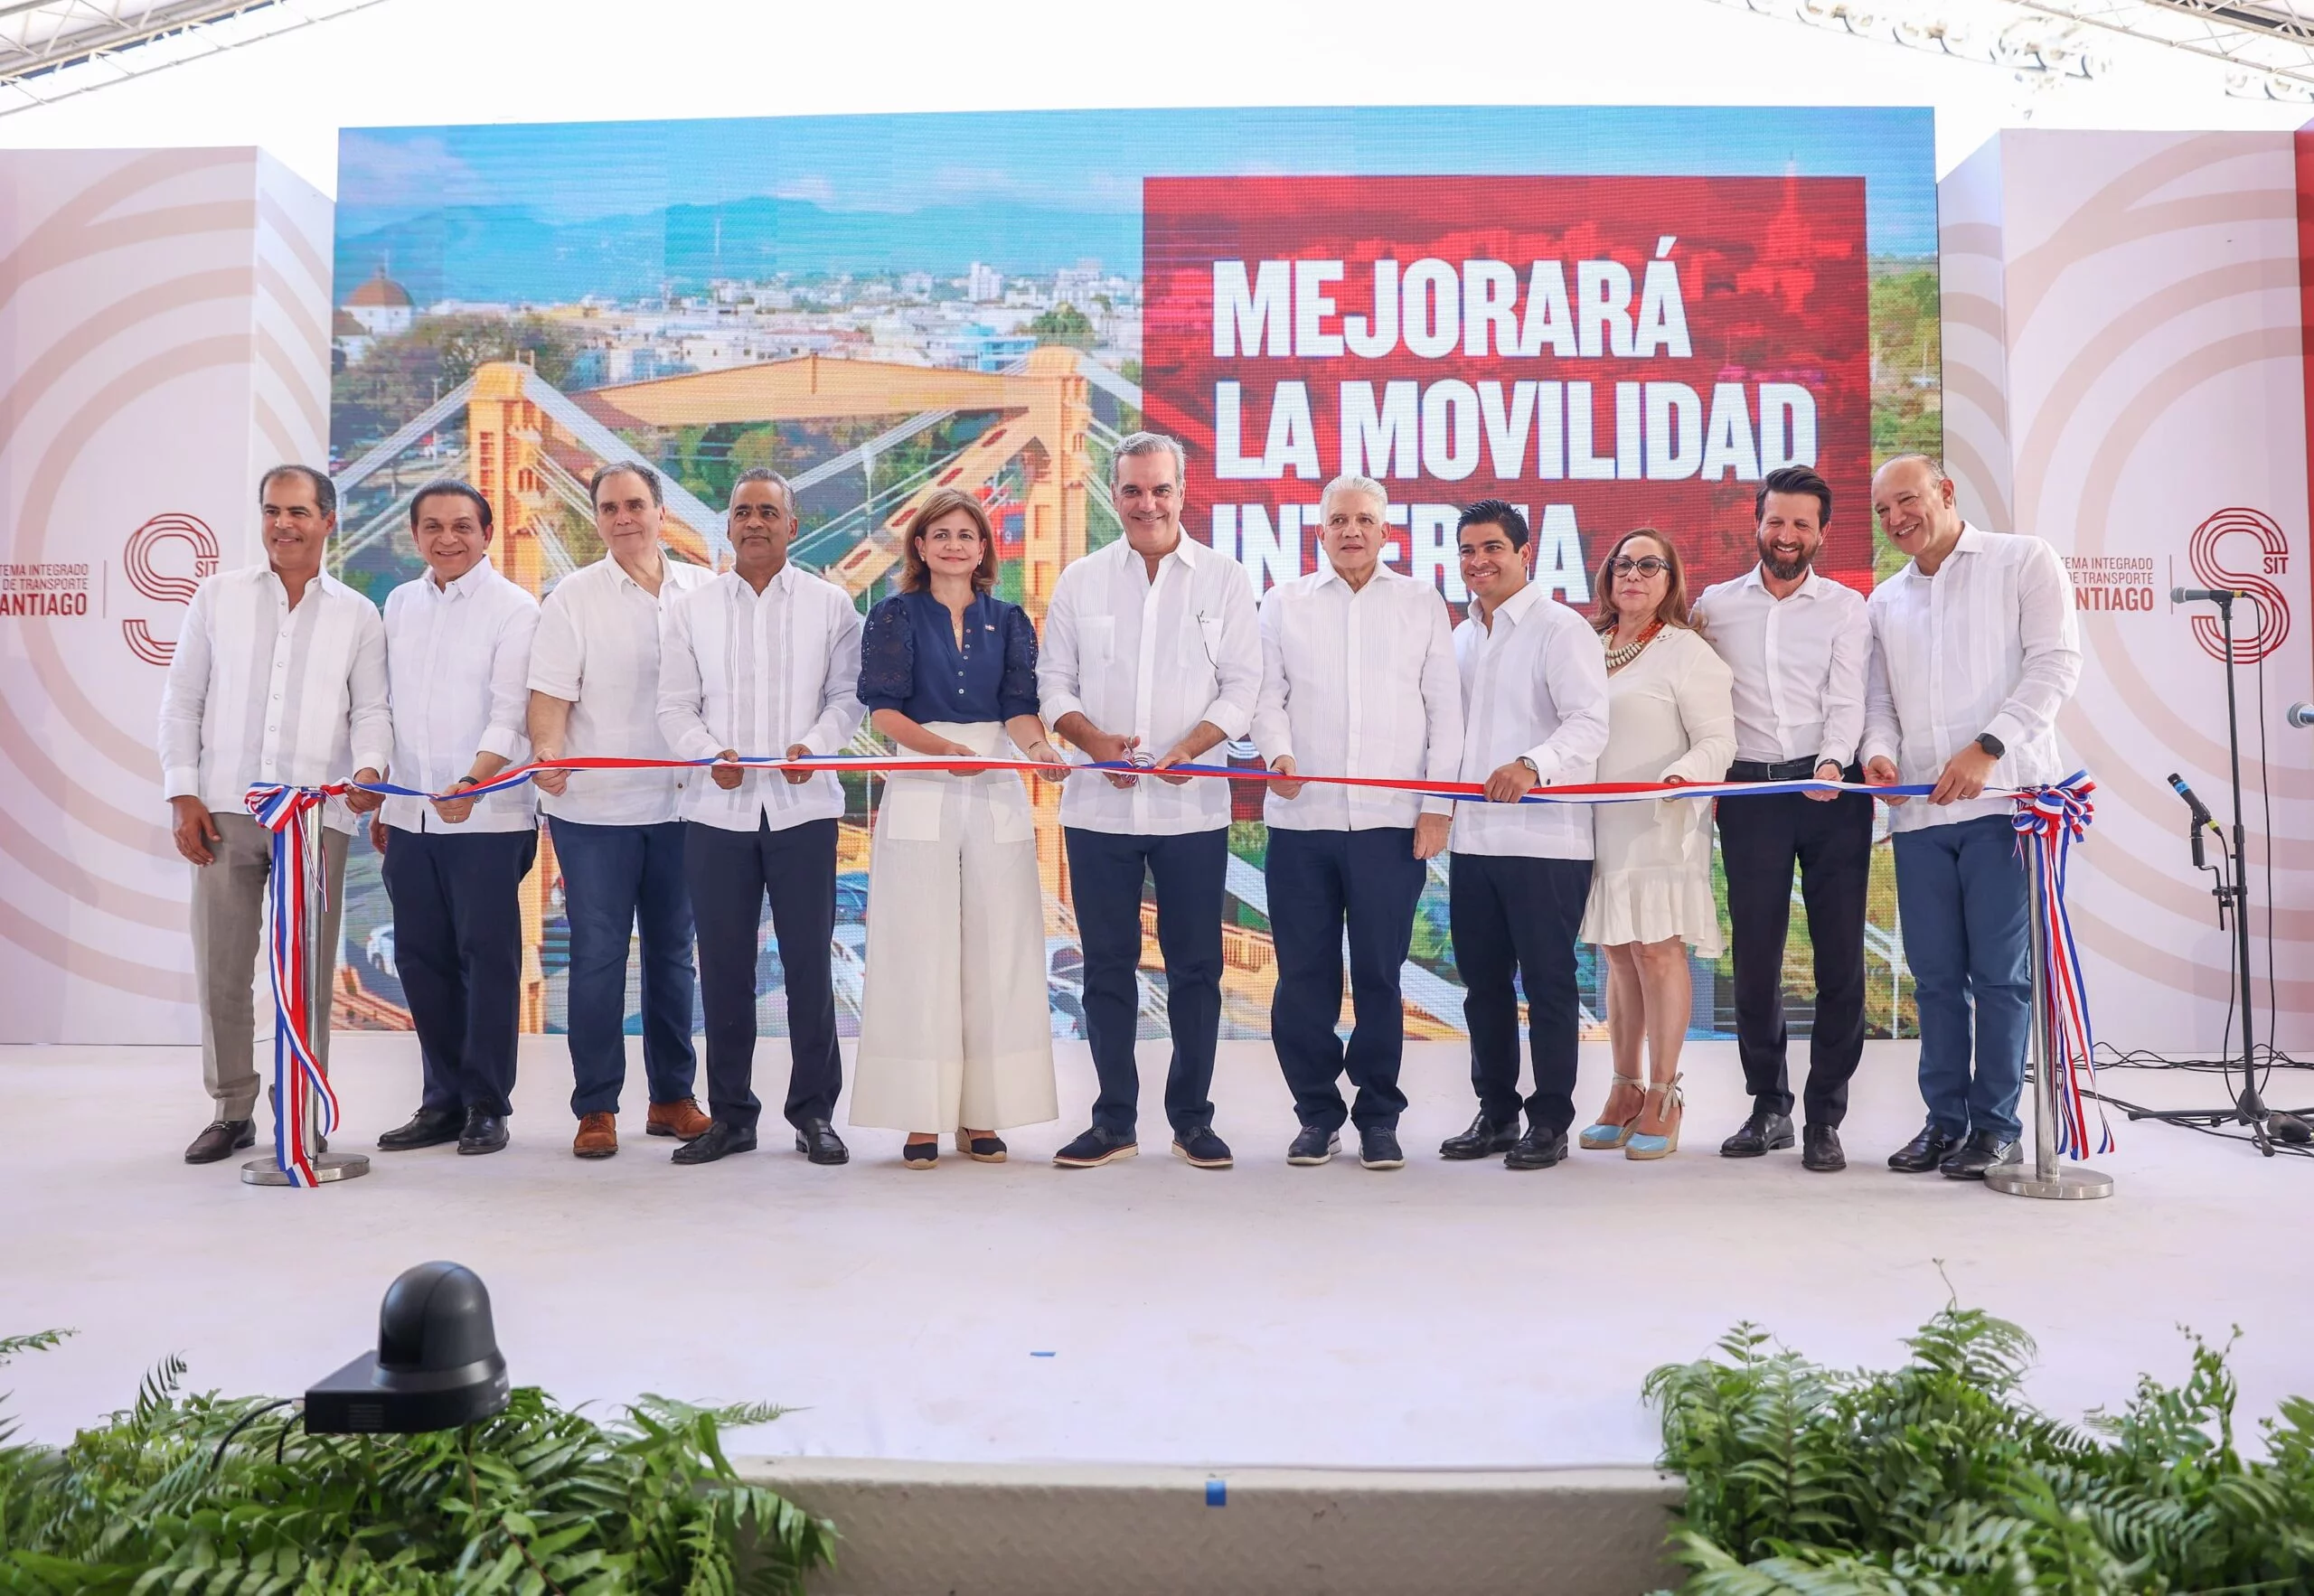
196, 1494
1937, 1479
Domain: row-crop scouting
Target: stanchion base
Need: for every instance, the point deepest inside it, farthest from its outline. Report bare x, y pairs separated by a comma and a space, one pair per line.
328, 1167
2066, 1182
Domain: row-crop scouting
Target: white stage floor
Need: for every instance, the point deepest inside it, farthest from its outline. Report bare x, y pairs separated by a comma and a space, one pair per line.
1446, 1315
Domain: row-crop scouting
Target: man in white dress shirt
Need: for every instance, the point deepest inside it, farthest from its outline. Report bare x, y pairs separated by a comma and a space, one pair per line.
458, 655
1151, 653
279, 675
1357, 678
765, 659
618, 835
1975, 648
1796, 643
1534, 714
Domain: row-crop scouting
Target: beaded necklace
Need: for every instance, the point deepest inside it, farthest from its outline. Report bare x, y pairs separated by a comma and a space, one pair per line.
1617, 658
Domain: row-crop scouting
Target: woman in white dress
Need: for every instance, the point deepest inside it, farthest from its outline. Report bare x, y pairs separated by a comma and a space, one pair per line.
1669, 718
956, 1023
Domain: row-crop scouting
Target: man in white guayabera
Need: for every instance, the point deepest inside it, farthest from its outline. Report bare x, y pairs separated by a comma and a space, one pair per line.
279, 675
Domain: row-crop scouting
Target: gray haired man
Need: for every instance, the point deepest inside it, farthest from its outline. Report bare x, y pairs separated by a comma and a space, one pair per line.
1151, 654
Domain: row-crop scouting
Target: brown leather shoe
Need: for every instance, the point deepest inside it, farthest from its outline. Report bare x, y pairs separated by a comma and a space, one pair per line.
683, 1121
597, 1137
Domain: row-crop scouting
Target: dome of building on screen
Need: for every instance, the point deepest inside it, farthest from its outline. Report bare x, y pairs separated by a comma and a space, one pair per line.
380, 305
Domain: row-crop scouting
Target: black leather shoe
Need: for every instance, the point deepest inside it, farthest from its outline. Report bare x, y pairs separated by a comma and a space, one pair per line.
1765, 1132
1313, 1146
1377, 1147
1201, 1149
721, 1140
482, 1133
817, 1140
1822, 1152
428, 1127
1098, 1146
221, 1140
1537, 1149
1923, 1152
1982, 1151
1484, 1139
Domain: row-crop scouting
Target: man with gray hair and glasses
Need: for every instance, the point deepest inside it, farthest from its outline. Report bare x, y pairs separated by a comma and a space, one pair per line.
1357, 678
1152, 657
279, 675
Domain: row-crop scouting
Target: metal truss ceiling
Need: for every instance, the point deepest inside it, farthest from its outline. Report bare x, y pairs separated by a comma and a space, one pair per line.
51, 50
2270, 42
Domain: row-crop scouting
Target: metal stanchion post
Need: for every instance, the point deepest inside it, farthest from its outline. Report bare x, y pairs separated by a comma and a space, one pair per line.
2045, 1176
327, 1166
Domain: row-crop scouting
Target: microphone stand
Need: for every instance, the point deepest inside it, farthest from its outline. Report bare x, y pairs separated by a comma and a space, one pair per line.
2249, 1109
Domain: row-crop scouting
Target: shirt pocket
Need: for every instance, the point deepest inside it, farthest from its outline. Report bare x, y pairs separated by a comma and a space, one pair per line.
1199, 650
1097, 641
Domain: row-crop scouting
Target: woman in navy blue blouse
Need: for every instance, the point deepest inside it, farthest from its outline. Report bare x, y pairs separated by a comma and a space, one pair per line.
955, 1028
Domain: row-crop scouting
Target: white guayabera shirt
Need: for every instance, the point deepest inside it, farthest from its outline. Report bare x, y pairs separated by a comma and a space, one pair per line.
1990, 644
1799, 665
458, 657
258, 691
597, 649
758, 673
1534, 685
1151, 659
1358, 684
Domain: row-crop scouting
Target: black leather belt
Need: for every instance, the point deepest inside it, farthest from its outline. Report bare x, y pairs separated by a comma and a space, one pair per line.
1791, 770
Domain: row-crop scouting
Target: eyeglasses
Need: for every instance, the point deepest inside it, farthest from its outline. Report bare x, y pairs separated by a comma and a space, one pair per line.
1649, 567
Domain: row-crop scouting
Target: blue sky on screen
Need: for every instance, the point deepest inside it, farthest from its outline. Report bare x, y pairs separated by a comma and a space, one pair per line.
551, 212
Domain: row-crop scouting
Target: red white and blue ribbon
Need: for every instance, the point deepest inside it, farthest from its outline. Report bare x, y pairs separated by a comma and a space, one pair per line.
885, 764
2052, 817
287, 813
2048, 822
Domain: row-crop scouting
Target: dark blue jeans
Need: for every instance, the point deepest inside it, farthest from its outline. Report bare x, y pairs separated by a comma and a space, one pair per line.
615, 878
457, 900
1321, 884
1967, 908
1106, 871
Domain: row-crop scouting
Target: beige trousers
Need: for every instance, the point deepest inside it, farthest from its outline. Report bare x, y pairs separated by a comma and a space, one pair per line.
229, 896
956, 1023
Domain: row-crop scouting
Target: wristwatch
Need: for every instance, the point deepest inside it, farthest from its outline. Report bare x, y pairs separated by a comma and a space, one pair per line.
1531, 768
1991, 745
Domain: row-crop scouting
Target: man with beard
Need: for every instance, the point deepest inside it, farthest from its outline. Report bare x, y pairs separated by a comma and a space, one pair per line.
1797, 642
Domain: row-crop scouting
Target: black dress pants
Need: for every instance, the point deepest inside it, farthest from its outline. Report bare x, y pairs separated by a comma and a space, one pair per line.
1321, 884
730, 873
457, 900
1516, 916
1106, 871
1760, 841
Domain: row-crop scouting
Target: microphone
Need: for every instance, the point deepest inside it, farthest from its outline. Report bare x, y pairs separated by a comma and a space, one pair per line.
2201, 810
2300, 715
2203, 595
2201, 820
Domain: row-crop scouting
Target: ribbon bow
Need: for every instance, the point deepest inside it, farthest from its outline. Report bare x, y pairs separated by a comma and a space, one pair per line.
2049, 820
286, 811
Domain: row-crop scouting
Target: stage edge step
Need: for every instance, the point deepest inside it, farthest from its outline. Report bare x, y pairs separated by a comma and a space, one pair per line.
912, 1528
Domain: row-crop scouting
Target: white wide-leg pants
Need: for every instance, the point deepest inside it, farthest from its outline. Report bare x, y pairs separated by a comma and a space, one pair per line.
955, 1026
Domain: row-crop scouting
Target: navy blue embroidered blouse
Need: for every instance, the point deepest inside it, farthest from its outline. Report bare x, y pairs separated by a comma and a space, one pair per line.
909, 661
